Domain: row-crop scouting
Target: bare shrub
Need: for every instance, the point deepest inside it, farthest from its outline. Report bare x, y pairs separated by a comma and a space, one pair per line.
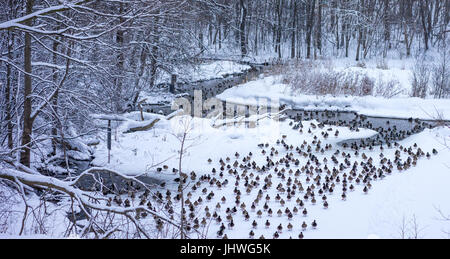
440, 76
305, 78
388, 89
8, 200
410, 229
281, 68
444, 217
274, 70
366, 85
382, 64
420, 78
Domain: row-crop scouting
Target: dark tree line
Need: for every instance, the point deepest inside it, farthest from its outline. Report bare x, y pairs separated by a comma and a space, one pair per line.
312, 28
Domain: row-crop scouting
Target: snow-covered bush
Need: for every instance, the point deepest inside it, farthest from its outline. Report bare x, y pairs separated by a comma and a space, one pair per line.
305, 78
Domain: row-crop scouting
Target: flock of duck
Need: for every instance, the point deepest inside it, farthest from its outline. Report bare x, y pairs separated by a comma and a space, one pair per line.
388, 129
272, 190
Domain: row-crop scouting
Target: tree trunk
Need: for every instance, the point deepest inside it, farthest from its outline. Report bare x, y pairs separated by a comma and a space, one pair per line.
120, 66
256, 38
25, 156
294, 30
310, 7
387, 27
143, 59
408, 24
8, 88
347, 38
319, 28
358, 48
279, 27
335, 24
54, 131
220, 34
154, 53
242, 23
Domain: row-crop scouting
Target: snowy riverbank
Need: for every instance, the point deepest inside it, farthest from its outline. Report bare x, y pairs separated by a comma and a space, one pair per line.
399, 107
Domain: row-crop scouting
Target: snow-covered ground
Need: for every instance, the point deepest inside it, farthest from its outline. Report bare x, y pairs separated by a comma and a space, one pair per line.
405, 200
401, 107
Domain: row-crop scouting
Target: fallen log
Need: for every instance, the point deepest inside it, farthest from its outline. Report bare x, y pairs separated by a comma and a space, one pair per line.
143, 128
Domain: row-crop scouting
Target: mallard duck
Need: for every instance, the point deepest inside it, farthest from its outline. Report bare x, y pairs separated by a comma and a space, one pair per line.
280, 228
304, 225
279, 213
231, 224
259, 213
276, 235
289, 226
254, 224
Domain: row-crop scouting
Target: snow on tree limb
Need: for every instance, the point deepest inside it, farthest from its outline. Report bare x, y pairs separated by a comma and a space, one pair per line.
8, 25
67, 187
